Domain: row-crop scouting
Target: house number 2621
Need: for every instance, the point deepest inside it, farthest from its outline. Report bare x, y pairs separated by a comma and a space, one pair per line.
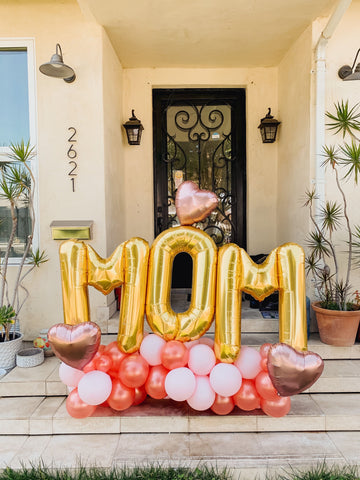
72, 154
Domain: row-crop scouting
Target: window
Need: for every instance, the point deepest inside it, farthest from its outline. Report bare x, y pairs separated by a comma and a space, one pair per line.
17, 123
14, 111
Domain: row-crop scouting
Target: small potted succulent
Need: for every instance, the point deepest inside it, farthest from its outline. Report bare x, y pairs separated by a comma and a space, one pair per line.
338, 309
16, 191
10, 341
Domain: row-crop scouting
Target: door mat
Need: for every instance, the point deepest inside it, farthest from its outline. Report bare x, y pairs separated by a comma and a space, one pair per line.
270, 314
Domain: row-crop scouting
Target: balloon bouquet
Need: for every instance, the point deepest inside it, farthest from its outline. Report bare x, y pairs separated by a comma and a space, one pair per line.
182, 371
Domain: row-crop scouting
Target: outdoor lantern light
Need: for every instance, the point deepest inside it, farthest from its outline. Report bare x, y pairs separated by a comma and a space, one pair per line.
268, 128
133, 129
348, 73
57, 68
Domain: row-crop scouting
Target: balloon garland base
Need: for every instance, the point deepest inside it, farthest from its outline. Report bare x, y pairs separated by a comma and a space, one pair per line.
181, 373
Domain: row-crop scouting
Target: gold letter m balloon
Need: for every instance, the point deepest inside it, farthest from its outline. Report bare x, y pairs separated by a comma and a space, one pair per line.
283, 270
127, 266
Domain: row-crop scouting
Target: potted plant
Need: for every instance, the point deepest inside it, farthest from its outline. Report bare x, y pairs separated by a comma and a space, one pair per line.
338, 309
17, 192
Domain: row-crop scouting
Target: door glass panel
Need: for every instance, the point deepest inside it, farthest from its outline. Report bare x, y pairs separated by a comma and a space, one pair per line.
199, 148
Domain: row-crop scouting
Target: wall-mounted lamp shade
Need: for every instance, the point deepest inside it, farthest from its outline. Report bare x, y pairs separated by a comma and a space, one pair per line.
133, 129
268, 128
57, 68
349, 73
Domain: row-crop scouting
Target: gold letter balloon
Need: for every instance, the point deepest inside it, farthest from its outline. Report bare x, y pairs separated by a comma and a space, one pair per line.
196, 321
81, 266
219, 278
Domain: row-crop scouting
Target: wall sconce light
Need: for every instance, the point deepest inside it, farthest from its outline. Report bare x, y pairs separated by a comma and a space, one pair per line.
133, 129
268, 128
57, 68
348, 73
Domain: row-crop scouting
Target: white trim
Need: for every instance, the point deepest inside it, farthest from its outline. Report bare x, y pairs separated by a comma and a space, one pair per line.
29, 44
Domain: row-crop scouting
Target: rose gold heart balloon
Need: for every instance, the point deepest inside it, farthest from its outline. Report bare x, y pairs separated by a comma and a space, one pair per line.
75, 345
192, 204
292, 372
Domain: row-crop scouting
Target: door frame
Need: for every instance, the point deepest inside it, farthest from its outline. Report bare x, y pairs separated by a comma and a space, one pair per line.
236, 98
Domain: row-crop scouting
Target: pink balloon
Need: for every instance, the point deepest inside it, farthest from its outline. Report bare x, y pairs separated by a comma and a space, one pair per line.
201, 359
150, 349
180, 384
203, 396
95, 387
225, 379
69, 375
248, 362
207, 341
76, 407
191, 344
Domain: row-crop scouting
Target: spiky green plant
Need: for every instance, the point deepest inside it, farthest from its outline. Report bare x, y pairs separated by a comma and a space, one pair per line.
17, 184
322, 262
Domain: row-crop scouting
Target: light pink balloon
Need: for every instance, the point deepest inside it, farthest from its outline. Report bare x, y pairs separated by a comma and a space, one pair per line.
191, 344
150, 349
201, 359
225, 379
69, 375
203, 396
180, 384
207, 341
95, 387
248, 362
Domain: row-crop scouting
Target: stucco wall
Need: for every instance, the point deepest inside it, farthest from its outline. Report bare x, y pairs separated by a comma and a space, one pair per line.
261, 92
113, 147
294, 140
341, 50
83, 104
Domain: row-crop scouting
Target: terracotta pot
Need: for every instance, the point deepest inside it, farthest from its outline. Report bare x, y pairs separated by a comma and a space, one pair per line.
337, 327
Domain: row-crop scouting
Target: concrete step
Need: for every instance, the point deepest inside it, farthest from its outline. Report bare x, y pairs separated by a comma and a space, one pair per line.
248, 456
48, 416
252, 321
341, 372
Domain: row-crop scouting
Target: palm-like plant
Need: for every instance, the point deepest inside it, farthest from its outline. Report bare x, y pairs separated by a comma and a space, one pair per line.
17, 188
322, 262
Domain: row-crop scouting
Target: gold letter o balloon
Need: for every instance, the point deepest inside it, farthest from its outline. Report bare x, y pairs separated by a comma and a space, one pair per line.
193, 323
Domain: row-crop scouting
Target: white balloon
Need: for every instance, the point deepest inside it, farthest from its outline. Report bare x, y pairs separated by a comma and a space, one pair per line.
150, 349
201, 359
207, 341
95, 387
203, 396
191, 344
248, 362
225, 379
69, 375
180, 383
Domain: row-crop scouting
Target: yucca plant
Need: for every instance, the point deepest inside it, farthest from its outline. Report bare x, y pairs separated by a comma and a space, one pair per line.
333, 288
17, 188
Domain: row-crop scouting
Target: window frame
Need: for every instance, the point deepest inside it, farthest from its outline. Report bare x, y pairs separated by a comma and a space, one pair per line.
29, 45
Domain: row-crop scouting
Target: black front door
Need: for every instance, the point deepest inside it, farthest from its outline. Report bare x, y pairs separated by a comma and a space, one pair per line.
199, 135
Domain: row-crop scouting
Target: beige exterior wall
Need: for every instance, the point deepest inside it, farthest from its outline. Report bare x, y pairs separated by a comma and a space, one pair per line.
341, 51
92, 104
261, 92
114, 186
294, 140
